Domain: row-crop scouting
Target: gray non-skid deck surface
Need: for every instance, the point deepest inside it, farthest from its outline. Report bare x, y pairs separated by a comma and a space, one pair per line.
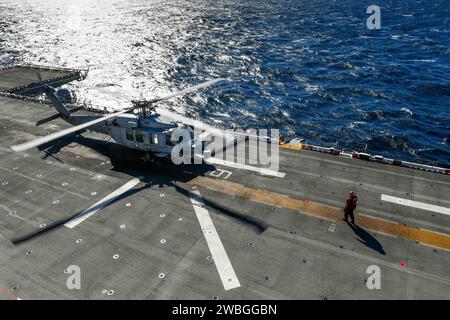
296, 257
19, 76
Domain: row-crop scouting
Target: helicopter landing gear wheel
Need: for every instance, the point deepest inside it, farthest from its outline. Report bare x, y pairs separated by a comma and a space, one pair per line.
148, 158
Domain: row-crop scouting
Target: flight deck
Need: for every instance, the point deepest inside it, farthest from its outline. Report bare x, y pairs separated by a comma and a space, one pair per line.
159, 231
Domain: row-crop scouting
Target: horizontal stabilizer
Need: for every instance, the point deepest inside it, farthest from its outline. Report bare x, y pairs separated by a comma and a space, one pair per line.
56, 116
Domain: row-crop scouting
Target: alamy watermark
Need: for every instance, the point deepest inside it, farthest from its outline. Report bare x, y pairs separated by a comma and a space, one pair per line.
250, 147
74, 280
374, 20
374, 280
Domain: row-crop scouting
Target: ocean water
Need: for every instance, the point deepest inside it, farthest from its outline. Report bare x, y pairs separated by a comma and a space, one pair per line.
310, 68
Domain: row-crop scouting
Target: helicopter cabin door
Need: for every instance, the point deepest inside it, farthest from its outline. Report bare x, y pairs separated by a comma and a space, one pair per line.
137, 139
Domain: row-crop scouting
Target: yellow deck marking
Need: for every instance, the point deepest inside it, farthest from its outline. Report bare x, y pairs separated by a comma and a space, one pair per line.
289, 146
374, 224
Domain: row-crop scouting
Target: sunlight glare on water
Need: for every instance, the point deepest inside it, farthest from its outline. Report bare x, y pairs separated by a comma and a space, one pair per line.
309, 68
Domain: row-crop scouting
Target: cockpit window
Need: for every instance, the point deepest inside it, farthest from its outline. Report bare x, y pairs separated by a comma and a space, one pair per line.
139, 136
129, 134
169, 140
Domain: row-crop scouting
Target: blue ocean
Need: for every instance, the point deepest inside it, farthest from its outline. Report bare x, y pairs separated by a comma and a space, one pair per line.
311, 68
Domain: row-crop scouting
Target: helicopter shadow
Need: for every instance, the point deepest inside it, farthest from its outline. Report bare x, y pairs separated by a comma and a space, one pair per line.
60, 222
50, 153
130, 162
51, 149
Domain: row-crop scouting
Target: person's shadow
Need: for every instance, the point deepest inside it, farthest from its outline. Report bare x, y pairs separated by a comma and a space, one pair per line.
366, 238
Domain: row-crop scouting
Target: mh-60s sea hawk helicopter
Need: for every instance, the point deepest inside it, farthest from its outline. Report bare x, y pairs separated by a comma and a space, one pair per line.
143, 126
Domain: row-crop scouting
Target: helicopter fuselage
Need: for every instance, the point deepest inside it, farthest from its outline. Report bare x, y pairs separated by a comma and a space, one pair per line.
150, 133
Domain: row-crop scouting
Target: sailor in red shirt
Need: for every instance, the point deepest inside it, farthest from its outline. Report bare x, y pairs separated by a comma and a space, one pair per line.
350, 206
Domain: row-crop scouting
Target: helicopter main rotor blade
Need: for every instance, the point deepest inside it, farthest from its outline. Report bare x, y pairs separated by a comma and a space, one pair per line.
42, 140
187, 90
191, 122
206, 127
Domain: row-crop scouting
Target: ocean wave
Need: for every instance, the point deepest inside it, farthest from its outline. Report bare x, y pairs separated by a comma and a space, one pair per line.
434, 89
293, 65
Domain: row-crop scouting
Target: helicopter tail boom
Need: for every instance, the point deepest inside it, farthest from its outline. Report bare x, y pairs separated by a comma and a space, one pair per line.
62, 109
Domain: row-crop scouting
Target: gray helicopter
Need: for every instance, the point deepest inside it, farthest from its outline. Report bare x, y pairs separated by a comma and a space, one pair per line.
143, 126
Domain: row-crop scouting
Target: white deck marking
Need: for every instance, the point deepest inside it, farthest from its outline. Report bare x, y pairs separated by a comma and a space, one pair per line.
214, 160
102, 203
416, 204
218, 253
220, 172
263, 171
